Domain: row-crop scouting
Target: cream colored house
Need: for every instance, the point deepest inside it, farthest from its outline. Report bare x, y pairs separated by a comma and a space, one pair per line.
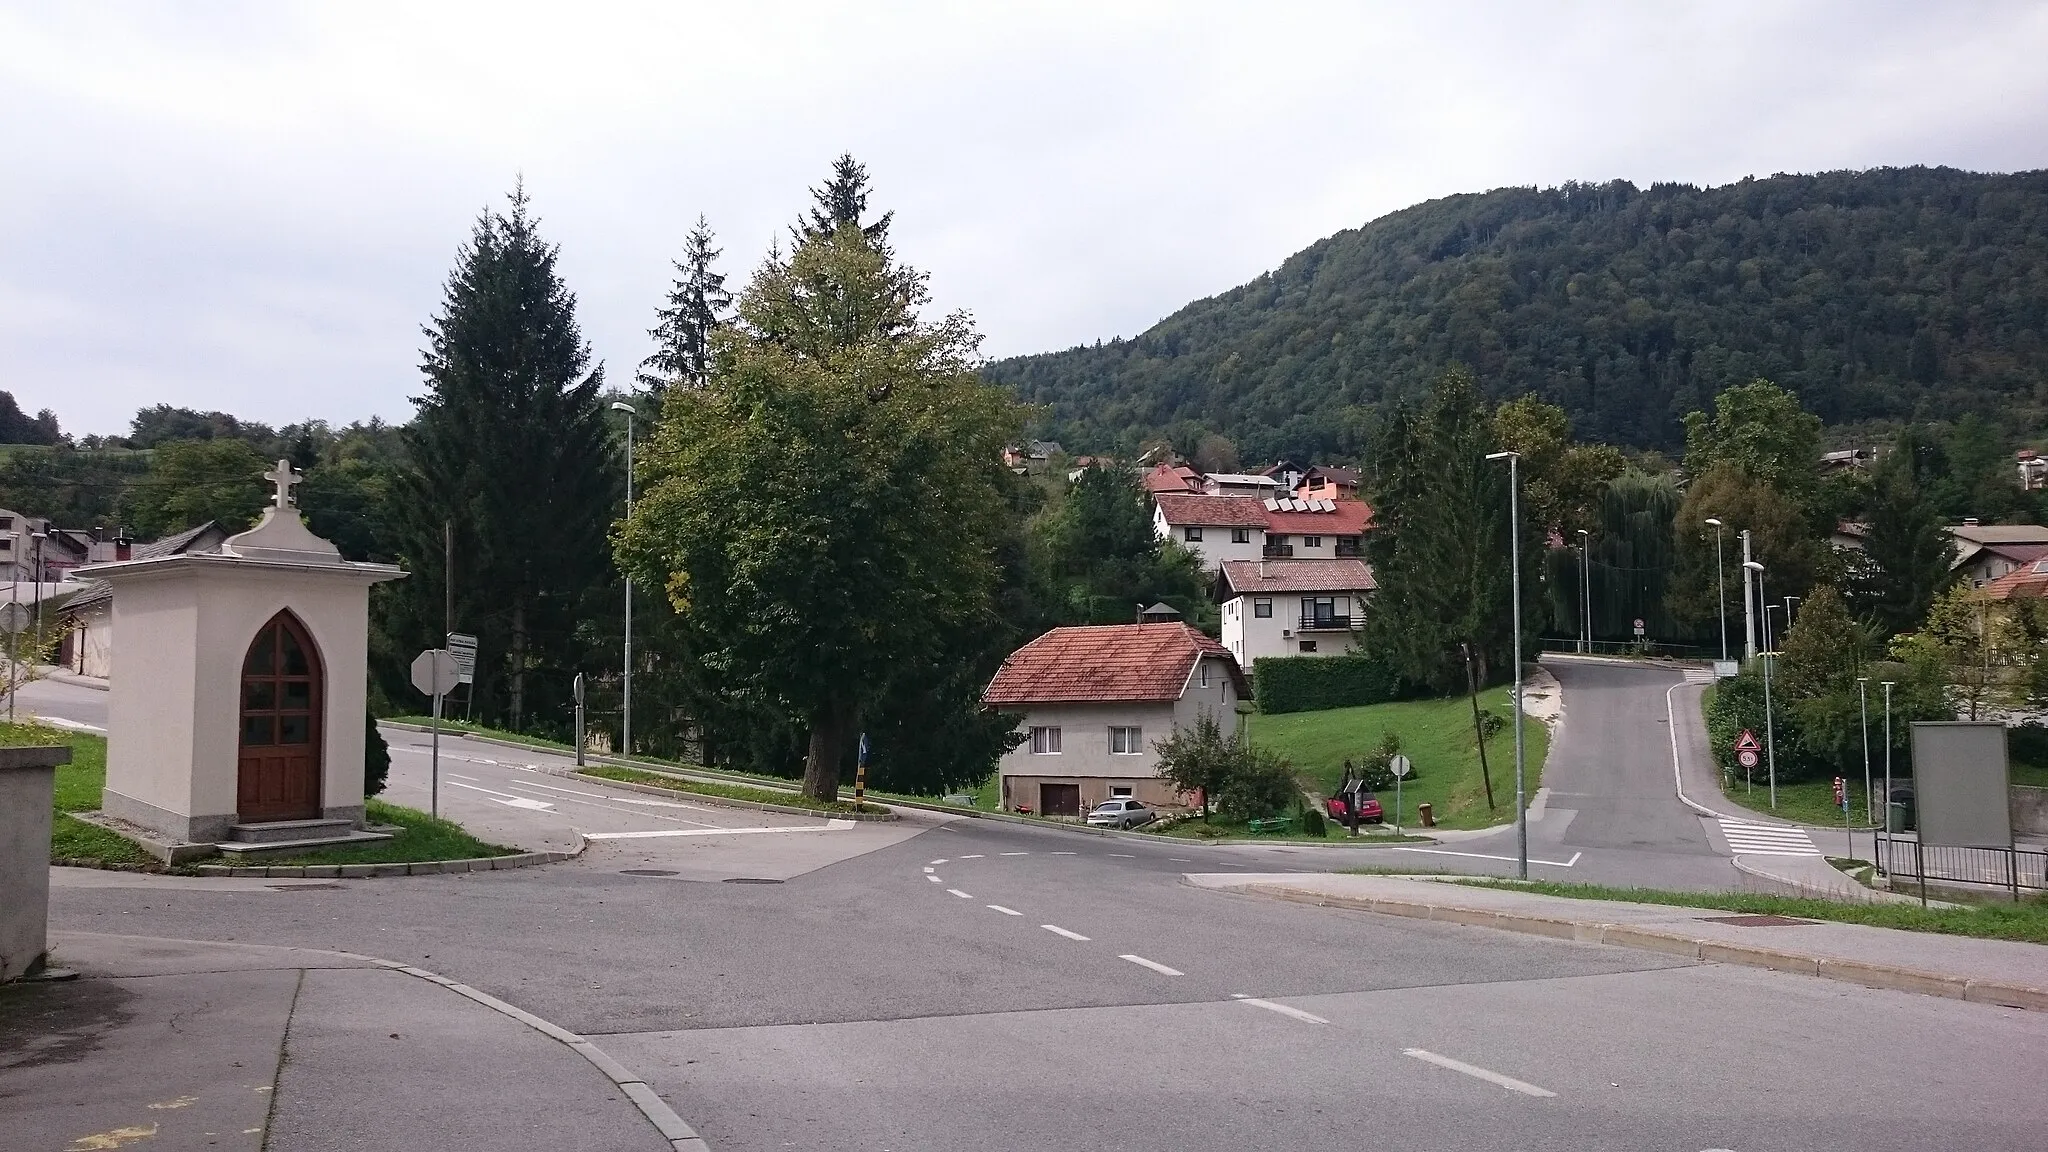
1094, 701
1292, 607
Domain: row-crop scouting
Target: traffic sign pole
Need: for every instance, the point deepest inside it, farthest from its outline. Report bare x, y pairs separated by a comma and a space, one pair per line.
434, 672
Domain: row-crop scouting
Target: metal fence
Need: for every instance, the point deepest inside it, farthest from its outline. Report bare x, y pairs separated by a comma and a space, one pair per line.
2016, 870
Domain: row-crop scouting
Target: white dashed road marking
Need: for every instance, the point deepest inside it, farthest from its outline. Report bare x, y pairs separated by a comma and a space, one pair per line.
935, 880
1016, 853
1122, 856
959, 893
1059, 853
1491, 1077
976, 856
940, 860
929, 870
1059, 931
1154, 965
1005, 911
1284, 1010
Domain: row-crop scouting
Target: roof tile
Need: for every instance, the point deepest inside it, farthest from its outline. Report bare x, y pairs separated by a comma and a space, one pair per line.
1247, 577
1104, 662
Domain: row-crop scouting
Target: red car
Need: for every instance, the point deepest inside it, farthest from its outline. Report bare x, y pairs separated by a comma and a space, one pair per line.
1369, 810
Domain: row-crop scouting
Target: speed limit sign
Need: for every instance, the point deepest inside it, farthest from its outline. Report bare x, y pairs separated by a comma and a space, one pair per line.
1746, 758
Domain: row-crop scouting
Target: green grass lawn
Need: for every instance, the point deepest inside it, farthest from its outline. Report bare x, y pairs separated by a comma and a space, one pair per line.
420, 837
2026, 921
1806, 802
78, 790
727, 791
1435, 734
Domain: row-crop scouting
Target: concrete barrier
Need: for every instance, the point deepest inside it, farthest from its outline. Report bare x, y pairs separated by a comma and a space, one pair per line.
28, 779
2030, 811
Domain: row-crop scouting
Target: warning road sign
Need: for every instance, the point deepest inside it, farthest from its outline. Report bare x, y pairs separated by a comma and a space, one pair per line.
1747, 742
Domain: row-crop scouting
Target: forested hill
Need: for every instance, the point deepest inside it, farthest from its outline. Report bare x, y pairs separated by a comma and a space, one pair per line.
1888, 294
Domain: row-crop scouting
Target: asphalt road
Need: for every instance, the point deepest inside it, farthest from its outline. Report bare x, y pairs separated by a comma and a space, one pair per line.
870, 1003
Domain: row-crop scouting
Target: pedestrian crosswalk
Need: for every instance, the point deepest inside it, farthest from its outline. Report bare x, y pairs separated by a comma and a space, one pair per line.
1749, 839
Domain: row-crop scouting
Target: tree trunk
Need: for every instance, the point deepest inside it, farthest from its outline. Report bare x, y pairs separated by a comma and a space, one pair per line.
518, 664
832, 729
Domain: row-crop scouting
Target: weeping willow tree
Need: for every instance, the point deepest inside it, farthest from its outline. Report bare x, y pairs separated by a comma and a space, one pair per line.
1630, 555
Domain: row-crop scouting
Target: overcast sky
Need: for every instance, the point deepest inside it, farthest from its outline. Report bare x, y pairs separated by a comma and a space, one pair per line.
252, 206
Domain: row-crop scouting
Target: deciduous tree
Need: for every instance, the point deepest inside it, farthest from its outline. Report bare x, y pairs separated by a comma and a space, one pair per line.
823, 513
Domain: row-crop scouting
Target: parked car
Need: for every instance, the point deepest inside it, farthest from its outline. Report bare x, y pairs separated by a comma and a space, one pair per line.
1369, 810
1121, 814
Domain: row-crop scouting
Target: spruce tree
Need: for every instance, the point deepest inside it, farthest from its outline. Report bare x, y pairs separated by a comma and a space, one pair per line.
697, 305
511, 448
842, 201
1907, 544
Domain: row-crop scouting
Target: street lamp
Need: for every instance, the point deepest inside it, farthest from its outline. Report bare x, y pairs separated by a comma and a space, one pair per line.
1514, 460
1586, 588
1720, 586
1863, 710
1791, 603
1770, 723
36, 653
1885, 864
626, 688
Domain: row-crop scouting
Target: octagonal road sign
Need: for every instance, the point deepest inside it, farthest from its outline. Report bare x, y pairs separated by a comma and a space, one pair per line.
1400, 766
435, 672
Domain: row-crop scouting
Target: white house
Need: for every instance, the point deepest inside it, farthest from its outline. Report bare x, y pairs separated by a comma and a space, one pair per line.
1216, 528
1984, 552
1240, 484
88, 618
1095, 700
1292, 607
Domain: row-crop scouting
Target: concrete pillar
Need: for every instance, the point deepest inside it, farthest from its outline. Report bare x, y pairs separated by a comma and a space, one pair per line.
28, 778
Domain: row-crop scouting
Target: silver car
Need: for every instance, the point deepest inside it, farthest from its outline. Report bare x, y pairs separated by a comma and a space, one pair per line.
1121, 814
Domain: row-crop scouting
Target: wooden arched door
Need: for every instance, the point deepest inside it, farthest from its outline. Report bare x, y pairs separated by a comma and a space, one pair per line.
281, 738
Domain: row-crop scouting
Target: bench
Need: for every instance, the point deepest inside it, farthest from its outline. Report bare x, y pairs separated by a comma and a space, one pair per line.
1270, 824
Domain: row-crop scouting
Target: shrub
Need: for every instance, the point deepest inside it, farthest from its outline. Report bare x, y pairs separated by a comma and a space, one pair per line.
1313, 683
1377, 770
1260, 784
1313, 825
376, 757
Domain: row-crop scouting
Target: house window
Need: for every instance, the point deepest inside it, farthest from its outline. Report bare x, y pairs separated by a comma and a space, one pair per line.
1262, 607
1311, 541
1120, 792
1306, 646
1205, 673
1240, 535
1125, 741
1045, 741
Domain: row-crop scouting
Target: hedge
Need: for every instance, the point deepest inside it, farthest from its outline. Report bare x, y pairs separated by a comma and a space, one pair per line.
1313, 683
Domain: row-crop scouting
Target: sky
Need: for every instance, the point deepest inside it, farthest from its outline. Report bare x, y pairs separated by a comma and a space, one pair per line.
252, 206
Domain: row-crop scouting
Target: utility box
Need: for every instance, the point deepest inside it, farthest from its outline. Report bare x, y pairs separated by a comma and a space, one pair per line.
28, 781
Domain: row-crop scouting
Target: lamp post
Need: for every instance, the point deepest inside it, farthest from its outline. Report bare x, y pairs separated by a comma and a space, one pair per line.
1720, 586
1770, 723
1586, 589
1863, 710
626, 687
1514, 460
1885, 864
1791, 603
36, 653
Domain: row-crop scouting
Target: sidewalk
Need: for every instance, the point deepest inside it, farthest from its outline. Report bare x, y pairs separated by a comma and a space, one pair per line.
1989, 971
175, 1044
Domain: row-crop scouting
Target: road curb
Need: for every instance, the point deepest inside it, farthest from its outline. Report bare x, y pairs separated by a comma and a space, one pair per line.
413, 868
726, 801
680, 1136
1891, 977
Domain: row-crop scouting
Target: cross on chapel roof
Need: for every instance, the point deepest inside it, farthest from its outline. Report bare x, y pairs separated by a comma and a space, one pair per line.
284, 478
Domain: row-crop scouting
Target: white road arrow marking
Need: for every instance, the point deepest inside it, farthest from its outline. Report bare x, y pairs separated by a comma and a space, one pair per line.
523, 802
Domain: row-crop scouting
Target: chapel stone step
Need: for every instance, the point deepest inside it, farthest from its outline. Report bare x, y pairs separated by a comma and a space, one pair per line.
243, 849
278, 830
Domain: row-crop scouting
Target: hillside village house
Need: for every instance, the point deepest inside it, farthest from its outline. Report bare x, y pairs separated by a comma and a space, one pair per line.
1094, 700
88, 618
1240, 484
1985, 552
1292, 607
32, 550
1224, 528
1328, 482
1173, 478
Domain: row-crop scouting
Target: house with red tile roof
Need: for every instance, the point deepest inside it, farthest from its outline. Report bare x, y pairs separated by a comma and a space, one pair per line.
1093, 701
1225, 528
1292, 607
2027, 582
1174, 478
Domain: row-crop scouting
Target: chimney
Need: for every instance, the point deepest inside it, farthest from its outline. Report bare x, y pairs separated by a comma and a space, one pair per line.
121, 547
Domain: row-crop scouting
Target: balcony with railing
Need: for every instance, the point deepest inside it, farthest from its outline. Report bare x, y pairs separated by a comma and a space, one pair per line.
1348, 548
1325, 622
1278, 551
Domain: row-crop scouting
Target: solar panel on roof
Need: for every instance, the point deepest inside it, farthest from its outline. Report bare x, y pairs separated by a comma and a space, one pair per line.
1272, 505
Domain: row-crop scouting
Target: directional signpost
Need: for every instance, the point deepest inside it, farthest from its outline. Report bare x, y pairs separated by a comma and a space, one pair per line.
434, 672
463, 645
1746, 749
1400, 766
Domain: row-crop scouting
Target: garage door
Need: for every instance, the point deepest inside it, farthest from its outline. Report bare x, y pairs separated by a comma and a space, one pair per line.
1059, 799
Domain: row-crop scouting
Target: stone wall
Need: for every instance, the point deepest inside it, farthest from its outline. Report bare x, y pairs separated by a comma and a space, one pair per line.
2029, 811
